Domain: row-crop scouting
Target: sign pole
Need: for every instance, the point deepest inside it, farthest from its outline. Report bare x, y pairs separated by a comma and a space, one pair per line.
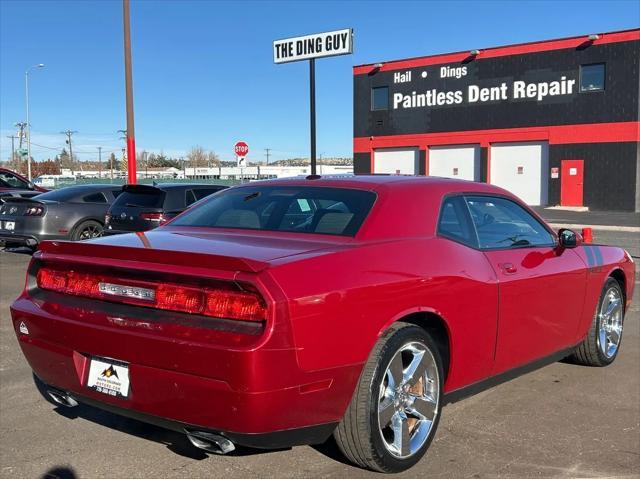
312, 111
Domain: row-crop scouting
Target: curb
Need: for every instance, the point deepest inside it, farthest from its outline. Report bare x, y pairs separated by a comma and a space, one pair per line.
625, 229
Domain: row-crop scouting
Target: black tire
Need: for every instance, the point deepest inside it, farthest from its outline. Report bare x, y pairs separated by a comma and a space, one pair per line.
589, 352
358, 435
87, 230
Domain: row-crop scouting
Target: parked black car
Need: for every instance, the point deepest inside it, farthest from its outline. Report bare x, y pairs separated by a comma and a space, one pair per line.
74, 212
144, 207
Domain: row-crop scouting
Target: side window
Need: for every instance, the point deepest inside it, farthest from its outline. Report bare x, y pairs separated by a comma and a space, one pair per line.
502, 223
95, 198
12, 181
190, 197
454, 221
204, 192
380, 98
592, 77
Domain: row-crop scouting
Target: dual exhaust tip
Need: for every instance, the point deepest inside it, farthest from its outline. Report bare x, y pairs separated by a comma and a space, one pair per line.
207, 441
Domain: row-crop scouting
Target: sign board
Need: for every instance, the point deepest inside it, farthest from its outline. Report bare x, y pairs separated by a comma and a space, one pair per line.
317, 45
555, 172
22, 151
241, 150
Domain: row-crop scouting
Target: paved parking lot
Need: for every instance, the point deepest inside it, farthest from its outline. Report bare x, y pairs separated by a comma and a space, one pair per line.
562, 421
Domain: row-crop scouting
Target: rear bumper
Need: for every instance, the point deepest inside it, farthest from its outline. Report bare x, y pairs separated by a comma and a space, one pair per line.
269, 440
255, 397
26, 240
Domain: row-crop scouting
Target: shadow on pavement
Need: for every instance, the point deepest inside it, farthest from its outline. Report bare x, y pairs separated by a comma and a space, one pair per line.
175, 442
60, 473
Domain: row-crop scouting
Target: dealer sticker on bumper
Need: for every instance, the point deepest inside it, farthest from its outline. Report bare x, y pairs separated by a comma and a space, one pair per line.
109, 376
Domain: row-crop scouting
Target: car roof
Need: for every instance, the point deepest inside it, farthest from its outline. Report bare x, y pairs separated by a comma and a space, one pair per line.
90, 187
173, 186
384, 182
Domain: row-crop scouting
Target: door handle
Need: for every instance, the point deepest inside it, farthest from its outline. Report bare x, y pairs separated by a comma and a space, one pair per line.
508, 268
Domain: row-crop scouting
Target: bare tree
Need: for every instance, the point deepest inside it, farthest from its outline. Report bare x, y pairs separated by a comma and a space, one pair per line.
213, 160
197, 157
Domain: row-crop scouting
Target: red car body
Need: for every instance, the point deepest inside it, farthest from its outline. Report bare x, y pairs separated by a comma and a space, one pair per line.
20, 183
328, 299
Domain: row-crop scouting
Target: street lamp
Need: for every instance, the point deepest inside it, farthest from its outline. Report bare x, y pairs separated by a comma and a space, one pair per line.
26, 94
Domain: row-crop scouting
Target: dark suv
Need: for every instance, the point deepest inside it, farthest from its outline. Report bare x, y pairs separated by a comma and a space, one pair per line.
143, 207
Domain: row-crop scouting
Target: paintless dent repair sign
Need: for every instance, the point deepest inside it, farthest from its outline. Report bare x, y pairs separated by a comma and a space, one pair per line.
318, 45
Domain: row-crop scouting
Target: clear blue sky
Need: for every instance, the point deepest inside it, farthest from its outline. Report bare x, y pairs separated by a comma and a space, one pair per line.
204, 73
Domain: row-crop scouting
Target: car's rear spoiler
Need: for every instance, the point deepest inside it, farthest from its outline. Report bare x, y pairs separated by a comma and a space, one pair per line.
21, 199
143, 257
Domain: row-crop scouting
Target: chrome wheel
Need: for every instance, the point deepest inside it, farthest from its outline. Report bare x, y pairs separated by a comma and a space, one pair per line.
610, 323
89, 232
408, 400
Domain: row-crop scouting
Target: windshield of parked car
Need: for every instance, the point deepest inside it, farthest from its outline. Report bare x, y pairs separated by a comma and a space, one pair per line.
300, 209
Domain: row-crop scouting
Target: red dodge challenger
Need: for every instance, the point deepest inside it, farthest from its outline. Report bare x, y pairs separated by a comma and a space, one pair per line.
282, 312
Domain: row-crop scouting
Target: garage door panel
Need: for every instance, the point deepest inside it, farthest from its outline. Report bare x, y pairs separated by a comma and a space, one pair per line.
459, 161
402, 161
520, 168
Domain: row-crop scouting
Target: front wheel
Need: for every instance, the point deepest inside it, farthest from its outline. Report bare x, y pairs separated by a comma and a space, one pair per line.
394, 412
602, 343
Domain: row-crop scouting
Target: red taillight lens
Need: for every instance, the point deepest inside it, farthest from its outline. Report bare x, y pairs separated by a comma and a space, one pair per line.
235, 304
217, 303
152, 216
176, 298
34, 211
107, 218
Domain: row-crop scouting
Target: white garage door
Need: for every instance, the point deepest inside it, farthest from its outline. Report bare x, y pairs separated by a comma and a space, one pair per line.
402, 161
460, 161
519, 168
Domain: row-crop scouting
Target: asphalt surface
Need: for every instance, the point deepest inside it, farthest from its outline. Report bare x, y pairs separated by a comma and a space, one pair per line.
562, 421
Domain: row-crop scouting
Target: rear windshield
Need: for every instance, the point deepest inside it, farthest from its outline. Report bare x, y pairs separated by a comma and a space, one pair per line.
64, 194
141, 199
333, 211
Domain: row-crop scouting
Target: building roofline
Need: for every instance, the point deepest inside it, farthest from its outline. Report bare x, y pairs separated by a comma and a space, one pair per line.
504, 50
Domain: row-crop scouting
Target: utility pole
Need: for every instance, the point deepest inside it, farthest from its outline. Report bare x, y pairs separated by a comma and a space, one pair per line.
267, 154
13, 147
69, 133
26, 96
100, 162
131, 141
22, 125
312, 111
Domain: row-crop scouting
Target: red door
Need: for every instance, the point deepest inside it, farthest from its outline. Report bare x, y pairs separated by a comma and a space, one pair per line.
571, 182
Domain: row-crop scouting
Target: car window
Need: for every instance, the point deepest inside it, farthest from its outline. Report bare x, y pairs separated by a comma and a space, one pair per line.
95, 198
204, 192
502, 223
9, 180
144, 199
454, 221
334, 211
190, 197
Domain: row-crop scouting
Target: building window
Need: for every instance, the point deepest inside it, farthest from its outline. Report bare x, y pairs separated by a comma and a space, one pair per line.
380, 98
592, 77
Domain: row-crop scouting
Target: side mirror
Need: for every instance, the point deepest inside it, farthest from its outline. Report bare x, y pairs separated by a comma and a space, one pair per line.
568, 238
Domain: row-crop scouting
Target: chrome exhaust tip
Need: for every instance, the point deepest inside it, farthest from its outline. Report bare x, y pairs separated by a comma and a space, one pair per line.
62, 398
210, 442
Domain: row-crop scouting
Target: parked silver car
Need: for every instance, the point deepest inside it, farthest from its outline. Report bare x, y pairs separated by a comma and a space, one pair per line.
75, 212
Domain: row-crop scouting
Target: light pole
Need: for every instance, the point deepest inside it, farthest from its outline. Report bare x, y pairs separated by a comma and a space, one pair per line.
26, 95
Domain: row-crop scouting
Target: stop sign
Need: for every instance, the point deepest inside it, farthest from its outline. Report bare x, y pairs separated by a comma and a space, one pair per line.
241, 149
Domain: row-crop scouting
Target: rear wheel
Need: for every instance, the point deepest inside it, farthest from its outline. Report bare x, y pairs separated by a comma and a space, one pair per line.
395, 410
602, 343
87, 230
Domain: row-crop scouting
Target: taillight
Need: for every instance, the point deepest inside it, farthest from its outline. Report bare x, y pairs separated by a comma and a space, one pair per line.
216, 303
34, 211
107, 218
152, 216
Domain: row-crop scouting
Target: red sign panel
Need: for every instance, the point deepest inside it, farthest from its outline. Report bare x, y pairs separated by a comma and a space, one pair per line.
241, 149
